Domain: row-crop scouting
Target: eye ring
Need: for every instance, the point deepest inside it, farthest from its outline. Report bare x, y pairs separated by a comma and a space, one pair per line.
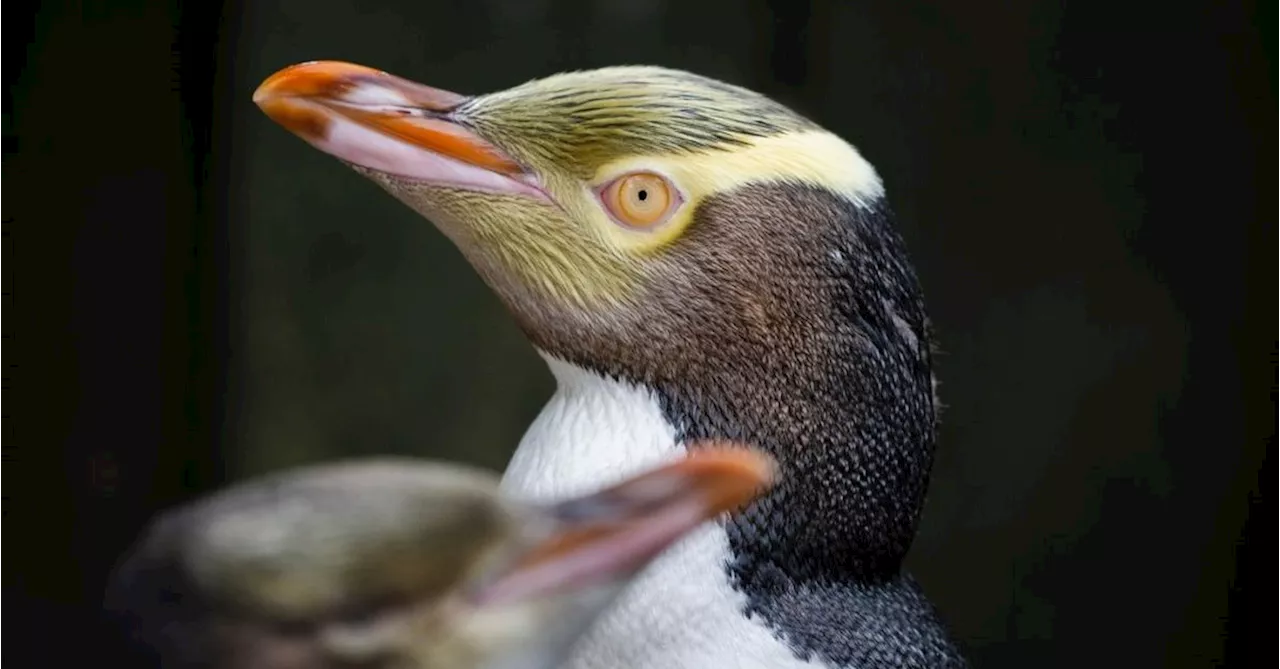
641, 200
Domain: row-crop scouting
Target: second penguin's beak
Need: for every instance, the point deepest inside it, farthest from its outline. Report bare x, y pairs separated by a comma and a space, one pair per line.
608, 536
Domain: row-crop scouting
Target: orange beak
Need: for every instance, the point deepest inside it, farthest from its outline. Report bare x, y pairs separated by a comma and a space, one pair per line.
382, 122
608, 536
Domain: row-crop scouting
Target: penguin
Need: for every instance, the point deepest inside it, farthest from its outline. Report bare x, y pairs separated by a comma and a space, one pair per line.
694, 260
394, 563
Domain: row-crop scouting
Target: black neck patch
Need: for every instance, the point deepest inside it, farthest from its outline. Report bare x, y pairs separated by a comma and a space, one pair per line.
789, 318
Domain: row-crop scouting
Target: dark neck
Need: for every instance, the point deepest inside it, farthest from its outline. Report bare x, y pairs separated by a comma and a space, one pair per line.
844, 400
790, 318
830, 371
855, 450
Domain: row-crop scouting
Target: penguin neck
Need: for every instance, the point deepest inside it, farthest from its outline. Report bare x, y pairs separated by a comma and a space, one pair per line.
732, 579
817, 352
596, 430
853, 479
812, 345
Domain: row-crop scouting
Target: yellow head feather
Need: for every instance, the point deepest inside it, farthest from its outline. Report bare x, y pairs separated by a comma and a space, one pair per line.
580, 130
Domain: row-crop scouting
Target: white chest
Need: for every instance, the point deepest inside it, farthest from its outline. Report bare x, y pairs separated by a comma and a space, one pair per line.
681, 612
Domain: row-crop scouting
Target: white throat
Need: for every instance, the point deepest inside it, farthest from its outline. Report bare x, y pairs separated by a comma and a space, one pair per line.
681, 612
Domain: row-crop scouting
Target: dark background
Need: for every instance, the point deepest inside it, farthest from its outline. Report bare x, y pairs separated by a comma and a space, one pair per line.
195, 295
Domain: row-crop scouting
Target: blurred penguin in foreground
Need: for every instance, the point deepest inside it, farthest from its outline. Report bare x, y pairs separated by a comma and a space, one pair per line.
390, 564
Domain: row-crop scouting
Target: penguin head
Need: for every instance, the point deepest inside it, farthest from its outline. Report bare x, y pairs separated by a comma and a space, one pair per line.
617, 209
690, 237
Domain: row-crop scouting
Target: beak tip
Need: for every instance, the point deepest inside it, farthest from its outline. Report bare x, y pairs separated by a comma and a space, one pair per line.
313, 77
751, 463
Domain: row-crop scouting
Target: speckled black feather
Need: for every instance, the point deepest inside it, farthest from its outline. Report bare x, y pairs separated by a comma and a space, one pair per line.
864, 466
790, 317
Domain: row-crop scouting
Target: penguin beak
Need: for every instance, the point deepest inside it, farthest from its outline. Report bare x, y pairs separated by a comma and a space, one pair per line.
382, 122
607, 537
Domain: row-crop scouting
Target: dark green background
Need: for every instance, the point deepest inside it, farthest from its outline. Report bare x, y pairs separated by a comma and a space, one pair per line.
1088, 192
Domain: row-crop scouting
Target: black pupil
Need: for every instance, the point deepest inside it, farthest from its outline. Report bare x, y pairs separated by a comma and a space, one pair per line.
643, 195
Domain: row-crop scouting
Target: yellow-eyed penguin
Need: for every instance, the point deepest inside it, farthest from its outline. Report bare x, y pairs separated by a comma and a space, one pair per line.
693, 260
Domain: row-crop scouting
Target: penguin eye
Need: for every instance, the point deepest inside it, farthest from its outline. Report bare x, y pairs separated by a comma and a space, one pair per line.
640, 199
